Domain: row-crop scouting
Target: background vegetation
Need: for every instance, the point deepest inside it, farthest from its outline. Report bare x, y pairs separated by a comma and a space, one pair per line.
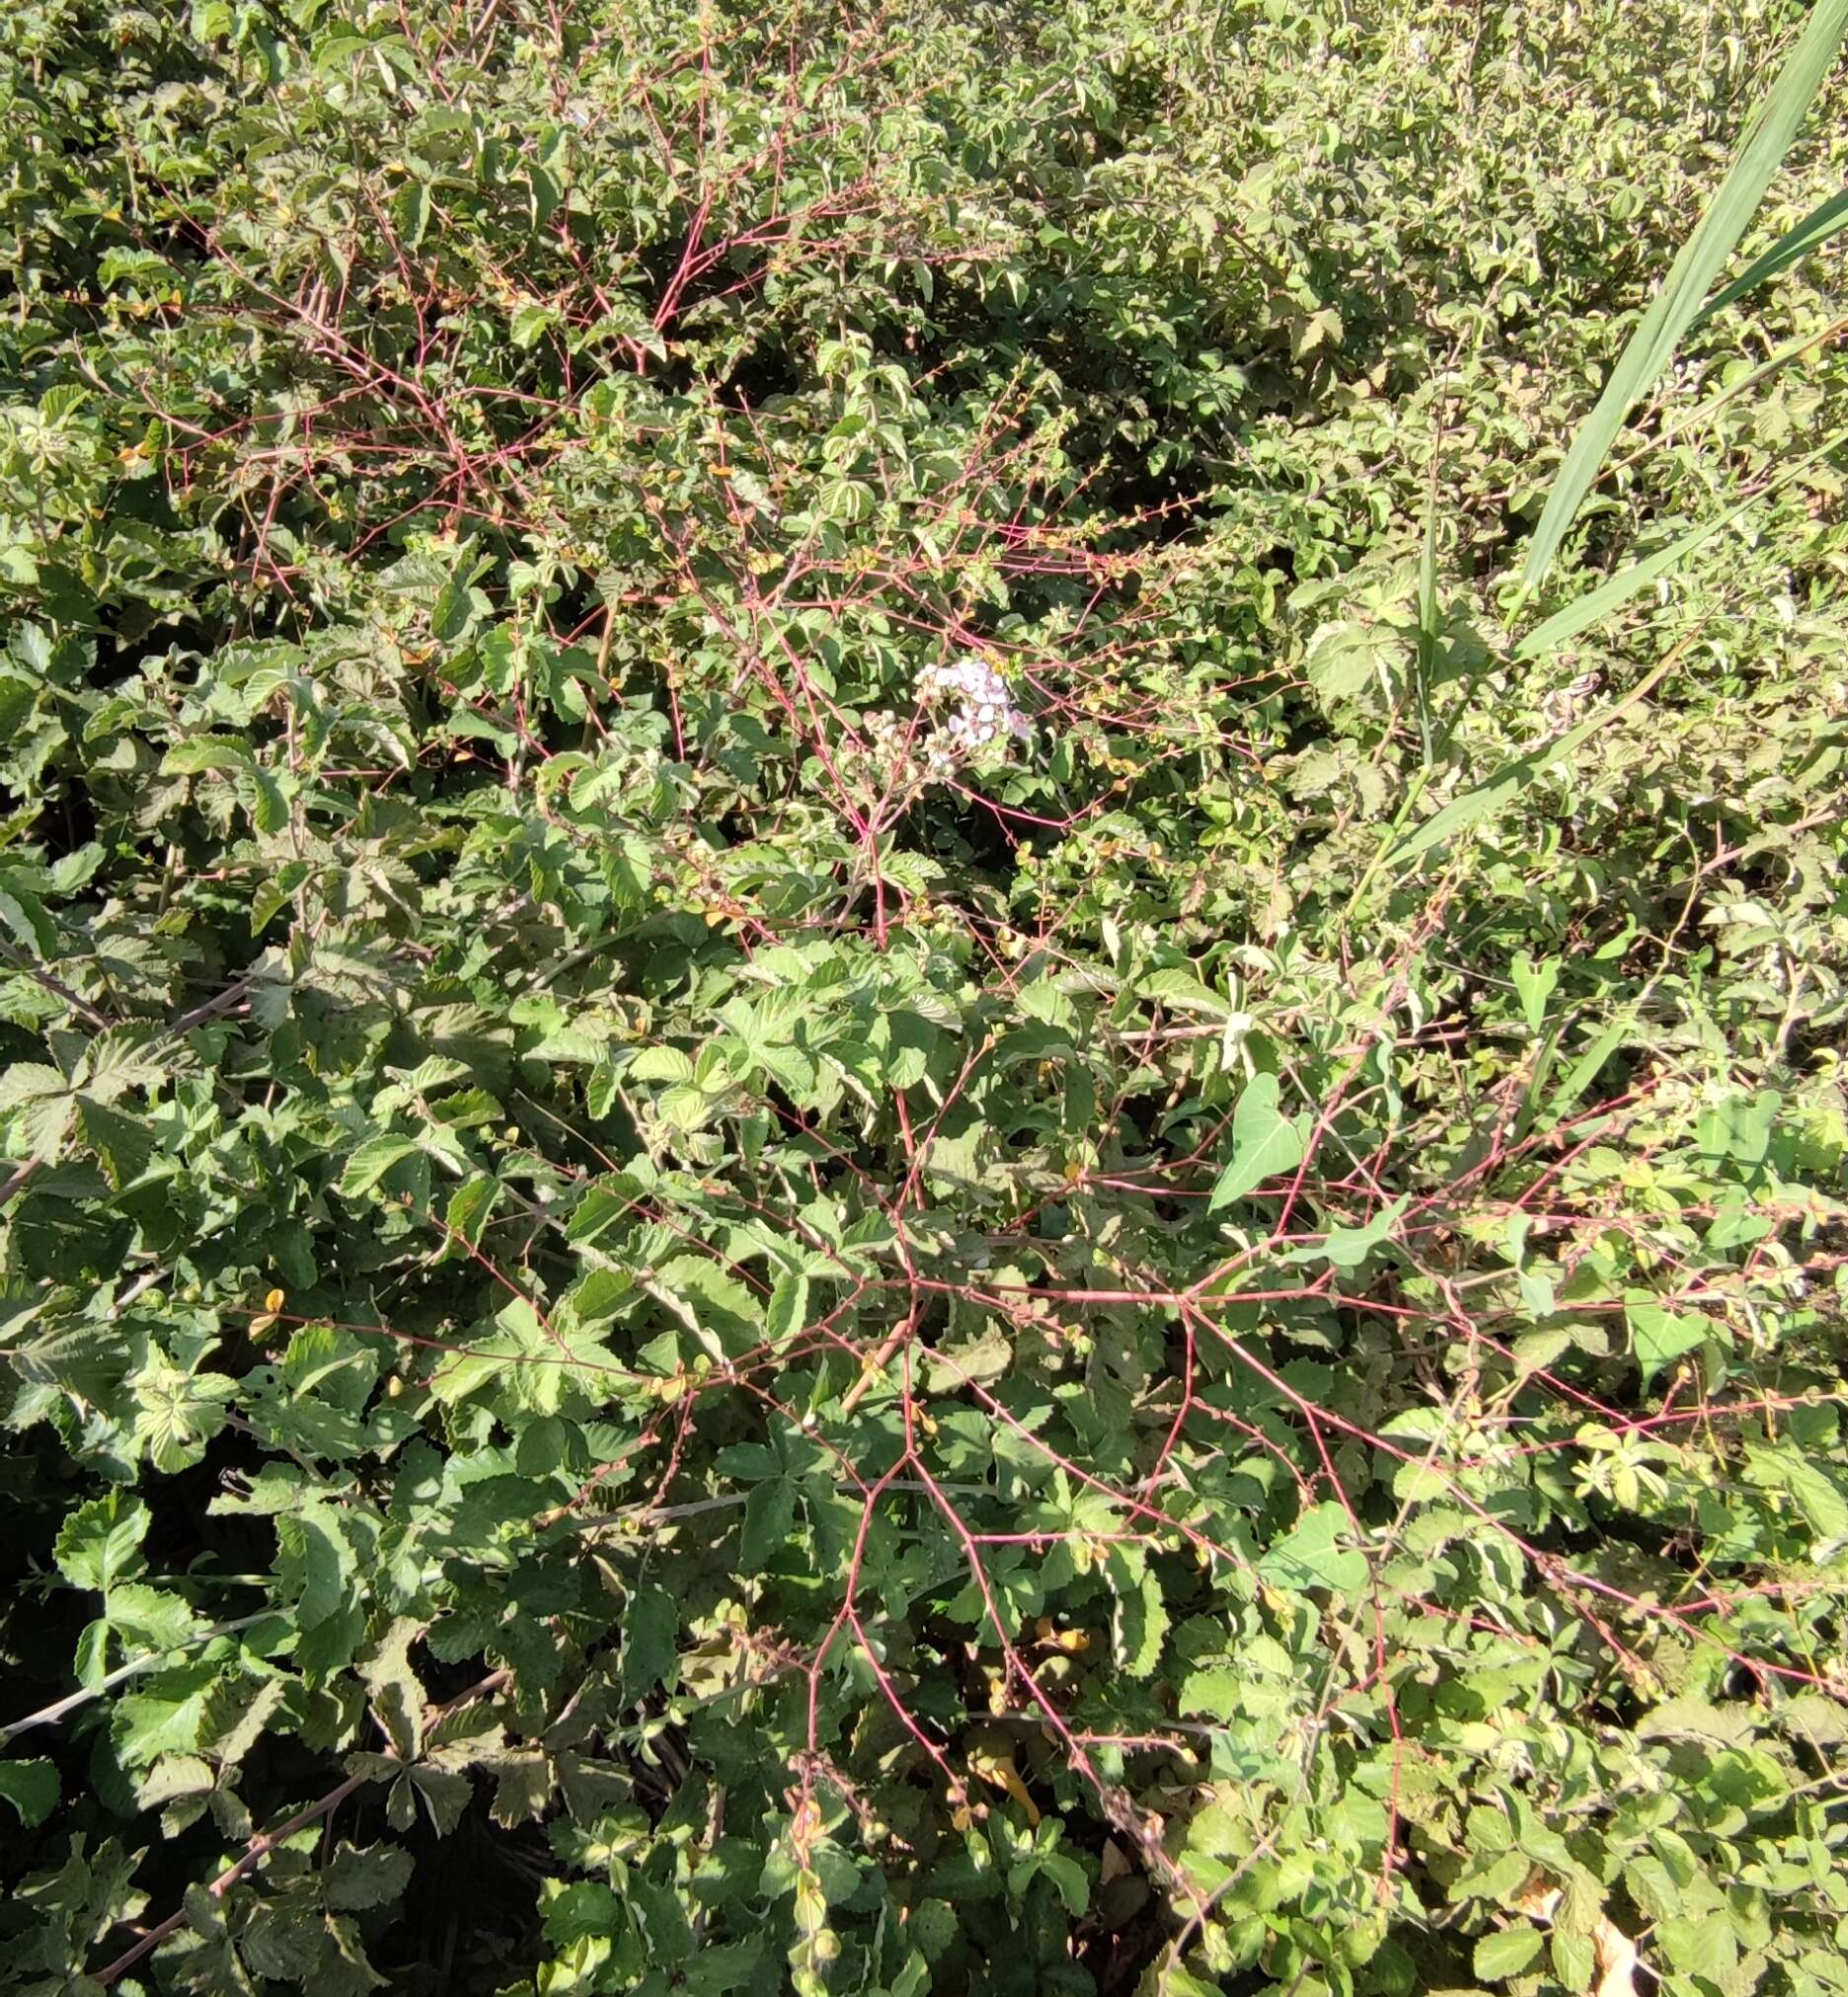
699, 1300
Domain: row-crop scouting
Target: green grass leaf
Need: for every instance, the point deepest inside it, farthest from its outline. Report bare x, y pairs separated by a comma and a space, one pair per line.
1513, 778
1796, 243
1767, 138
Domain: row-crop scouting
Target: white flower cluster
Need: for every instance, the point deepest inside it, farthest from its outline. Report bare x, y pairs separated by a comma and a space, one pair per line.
984, 710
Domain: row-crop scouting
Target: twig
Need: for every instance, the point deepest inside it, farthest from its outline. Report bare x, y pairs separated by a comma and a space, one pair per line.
260, 1847
257, 1850
874, 1367
56, 987
49, 1716
139, 1287
223, 1002
665, 1514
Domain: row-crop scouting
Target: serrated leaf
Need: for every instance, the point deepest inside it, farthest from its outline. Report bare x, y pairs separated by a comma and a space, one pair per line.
769, 1513
471, 1206
651, 1628
123, 1145
1310, 1557
100, 1543
529, 323
164, 1715
1507, 1953
397, 1693
1575, 1961
660, 1064
411, 211
788, 1310
25, 915
372, 1877
371, 1160
524, 1785
1068, 1875
205, 755
149, 1618
30, 1082
444, 1795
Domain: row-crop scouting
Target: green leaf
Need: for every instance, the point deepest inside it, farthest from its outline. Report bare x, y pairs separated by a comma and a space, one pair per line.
164, 1715
1772, 127
530, 322
718, 1972
1349, 1247
30, 1082
1660, 1337
123, 1145
769, 1513
444, 1793
371, 1160
1140, 1625
1595, 605
470, 1206
1513, 778
714, 1305
317, 1568
1575, 1961
1796, 243
1068, 1875
1702, 1946
1536, 984
32, 1787
1507, 1953
411, 210
25, 915
149, 1618
1265, 1143
1308, 1557
1344, 659
272, 809
374, 1876
1823, 1502
1217, 1692
788, 1310
579, 1911
100, 1543
651, 1630
178, 1412
207, 755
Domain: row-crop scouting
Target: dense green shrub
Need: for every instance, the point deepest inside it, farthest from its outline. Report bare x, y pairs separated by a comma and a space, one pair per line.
775, 1214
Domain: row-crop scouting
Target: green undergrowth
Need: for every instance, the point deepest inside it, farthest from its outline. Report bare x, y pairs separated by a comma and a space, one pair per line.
878, 1115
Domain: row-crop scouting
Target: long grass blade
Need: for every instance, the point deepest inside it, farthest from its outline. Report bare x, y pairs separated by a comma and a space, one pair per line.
1513, 778
1428, 632
1767, 139
1792, 350
1792, 247
1597, 604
